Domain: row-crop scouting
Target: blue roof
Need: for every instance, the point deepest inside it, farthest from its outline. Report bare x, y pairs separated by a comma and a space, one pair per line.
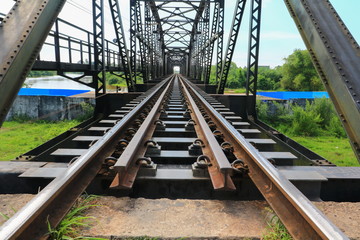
49, 92
294, 95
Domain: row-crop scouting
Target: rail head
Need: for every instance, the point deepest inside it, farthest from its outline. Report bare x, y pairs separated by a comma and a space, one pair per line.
299, 215
52, 203
220, 169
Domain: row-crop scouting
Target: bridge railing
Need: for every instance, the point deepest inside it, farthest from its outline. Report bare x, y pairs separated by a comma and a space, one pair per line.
75, 52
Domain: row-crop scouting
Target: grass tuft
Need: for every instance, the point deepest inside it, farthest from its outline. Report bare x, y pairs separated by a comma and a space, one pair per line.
275, 229
70, 227
6, 216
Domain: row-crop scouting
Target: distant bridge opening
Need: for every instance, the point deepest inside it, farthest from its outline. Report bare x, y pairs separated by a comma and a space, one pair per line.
176, 69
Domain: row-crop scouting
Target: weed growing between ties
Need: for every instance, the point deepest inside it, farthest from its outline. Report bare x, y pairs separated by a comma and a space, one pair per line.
6, 216
275, 229
75, 220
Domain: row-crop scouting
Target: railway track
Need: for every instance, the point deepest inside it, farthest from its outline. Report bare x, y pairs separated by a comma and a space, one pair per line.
172, 132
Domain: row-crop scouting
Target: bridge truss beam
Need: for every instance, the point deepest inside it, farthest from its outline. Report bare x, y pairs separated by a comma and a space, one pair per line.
238, 15
336, 56
99, 76
120, 40
22, 33
253, 57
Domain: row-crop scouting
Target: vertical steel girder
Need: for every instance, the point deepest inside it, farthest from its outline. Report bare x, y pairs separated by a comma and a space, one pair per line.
195, 41
99, 76
147, 40
159, 44
239, 12
211, 47
199, 41
133, 39
336, 56
120, 38
140, 36
153, 53
220, 41
22, 33
253, 57
205, 33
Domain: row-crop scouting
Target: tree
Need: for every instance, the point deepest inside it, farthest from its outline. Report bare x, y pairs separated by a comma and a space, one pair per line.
299, 73
233, 77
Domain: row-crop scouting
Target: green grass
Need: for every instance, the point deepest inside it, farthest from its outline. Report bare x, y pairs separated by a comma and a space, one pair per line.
75, 221
336, 150
275, 229
17, 138
235, 90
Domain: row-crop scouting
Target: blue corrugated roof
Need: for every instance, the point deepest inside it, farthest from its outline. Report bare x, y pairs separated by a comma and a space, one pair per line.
294, 95
50, 92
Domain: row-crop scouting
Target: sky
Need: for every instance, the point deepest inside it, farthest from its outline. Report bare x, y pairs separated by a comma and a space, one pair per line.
279, 35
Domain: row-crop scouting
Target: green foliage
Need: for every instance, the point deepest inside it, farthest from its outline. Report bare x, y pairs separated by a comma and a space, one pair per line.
275, 229
19, 137
115, 80
305, 121
273, 112
316, 126
316, 118
335, 127
269, 79
88, 110
5, 216
299, 74
41, 73
336, 150
234, 80
21, 118
74, 221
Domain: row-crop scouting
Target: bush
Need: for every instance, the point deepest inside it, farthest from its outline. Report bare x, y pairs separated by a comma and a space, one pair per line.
21, 118
262, 109
273, 113
88, 111
305, 121
335, 127
317, 117
324, 108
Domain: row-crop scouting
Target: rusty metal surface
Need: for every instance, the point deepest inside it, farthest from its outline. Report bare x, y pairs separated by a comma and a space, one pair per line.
52, 203
220, 168
127, 166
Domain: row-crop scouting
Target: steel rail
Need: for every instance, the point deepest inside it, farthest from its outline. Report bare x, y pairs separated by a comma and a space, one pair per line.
127, 166
299, 215
220, 168
51, 204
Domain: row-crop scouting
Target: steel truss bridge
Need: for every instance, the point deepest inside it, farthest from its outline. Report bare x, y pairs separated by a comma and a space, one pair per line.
175, 129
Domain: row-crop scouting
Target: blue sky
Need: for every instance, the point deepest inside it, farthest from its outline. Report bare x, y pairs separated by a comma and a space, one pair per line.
279, 34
